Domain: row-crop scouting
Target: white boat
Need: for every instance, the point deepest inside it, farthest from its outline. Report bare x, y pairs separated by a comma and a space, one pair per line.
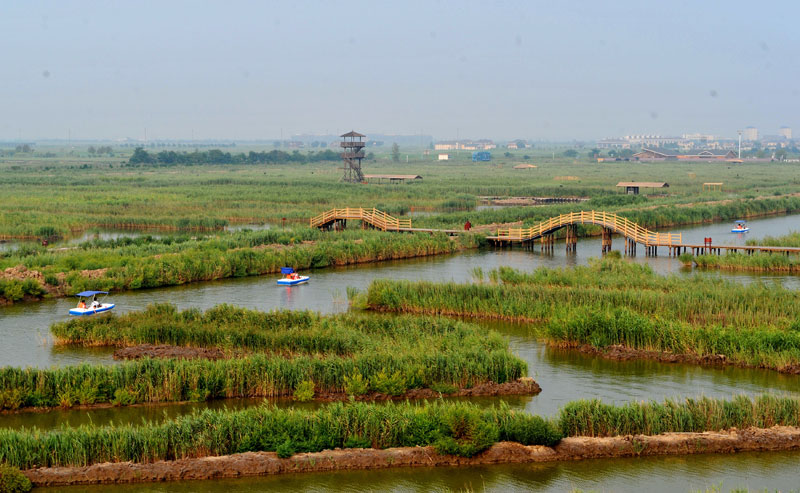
291, 278
90, 305
740, 227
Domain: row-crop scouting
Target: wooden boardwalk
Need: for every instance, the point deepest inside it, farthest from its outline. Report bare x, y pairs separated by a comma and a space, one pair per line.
633, 234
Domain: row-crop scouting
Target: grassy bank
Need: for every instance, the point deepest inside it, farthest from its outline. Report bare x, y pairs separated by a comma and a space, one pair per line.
612, 302
117, 265
284, 354
757, 262
452, 427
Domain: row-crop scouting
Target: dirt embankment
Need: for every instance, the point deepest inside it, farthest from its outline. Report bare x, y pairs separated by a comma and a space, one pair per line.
267, 463
623, 353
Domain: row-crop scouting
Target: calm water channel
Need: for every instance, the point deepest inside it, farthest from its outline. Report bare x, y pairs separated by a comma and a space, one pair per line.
563, 375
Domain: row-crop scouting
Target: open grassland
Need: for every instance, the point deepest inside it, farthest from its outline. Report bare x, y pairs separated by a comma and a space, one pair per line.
611, 302
276, 354
46, 196
451, 427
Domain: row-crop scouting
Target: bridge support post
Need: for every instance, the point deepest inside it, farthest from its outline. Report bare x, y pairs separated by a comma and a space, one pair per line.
572, 238
606, 240
630, 247
547, 242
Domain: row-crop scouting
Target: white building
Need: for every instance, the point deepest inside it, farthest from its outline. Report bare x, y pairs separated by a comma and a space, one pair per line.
785, 132
750, 134
444, 157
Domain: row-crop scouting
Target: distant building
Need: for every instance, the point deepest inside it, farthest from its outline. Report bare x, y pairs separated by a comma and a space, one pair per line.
444, 157
750, 134
632, 187
512, 145
786, 132
613, 144
295, 144
706, 154
468, 145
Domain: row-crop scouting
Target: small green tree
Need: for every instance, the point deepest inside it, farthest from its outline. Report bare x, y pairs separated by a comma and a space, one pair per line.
395, 152
571, 153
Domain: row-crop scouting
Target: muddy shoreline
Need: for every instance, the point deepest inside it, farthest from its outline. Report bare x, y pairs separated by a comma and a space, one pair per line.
268, 463
522, 386
619, 352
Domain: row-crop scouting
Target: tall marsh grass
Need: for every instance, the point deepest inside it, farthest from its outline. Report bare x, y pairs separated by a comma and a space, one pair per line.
282, 350
613, 302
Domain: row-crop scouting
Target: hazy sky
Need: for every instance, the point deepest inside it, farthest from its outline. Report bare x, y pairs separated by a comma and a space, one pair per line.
541, 70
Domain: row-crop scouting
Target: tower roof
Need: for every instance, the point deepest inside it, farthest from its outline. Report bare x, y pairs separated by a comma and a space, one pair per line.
352, 133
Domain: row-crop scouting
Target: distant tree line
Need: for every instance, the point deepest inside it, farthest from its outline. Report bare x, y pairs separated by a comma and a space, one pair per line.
215, 156
100, 150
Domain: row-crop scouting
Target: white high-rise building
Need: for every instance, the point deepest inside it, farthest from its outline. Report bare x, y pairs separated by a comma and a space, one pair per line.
750, 134
785, 132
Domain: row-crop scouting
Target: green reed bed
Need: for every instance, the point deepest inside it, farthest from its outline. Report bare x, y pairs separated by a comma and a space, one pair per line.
352, 354
458, 428
283, 331
789, 240
595, 419
756, 262
168, 263
607, 283
612, 302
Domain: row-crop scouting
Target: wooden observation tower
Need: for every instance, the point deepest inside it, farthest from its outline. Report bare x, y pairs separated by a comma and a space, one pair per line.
352, 156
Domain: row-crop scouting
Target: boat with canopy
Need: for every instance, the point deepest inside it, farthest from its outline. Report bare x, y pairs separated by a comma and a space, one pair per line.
291, 278
90, 305
740, 227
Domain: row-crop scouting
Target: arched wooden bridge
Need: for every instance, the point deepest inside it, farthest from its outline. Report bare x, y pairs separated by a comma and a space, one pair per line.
337, 219
611, 223
545, 232
373, 217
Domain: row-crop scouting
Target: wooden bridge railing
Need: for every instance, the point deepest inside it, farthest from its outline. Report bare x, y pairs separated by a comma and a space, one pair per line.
375, 217
618, 224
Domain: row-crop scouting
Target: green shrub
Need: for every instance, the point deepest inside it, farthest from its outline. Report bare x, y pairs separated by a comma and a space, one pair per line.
355, 384
123, 397
528, 429
304, 391
444, 388
13, 481
394, 384
465, 432
286, 449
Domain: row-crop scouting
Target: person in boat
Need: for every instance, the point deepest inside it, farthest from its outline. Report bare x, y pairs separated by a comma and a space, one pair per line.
81, 304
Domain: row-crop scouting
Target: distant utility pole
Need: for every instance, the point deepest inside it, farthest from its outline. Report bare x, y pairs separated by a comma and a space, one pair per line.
740, 143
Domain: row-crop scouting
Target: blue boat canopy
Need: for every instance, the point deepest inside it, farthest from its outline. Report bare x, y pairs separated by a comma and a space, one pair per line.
91, 293
740, 221
286, 270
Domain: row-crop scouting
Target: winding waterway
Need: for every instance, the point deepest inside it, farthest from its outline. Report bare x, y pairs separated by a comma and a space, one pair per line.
563, 375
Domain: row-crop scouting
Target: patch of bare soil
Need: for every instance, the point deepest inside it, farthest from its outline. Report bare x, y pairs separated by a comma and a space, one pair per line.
574, 448
623, 353
21, 273
167, 351
94, 273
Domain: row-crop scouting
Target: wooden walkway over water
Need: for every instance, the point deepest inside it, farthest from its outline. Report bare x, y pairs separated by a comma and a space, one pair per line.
336, 219
544, 232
